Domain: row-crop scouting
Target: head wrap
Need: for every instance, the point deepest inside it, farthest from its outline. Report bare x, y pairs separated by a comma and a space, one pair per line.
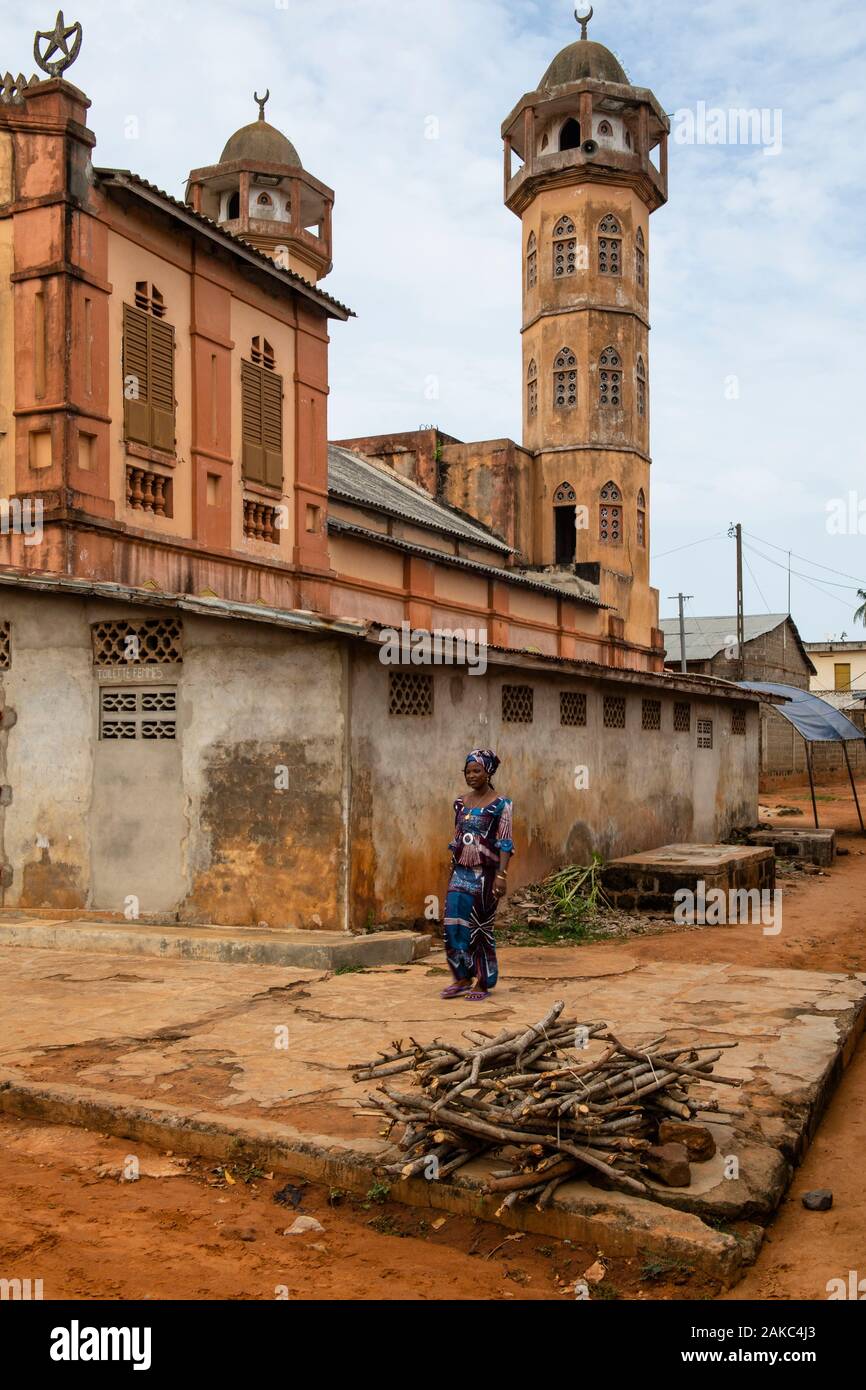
486, 757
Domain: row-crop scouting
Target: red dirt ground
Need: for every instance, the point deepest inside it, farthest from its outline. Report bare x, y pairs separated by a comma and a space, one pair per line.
90, 1235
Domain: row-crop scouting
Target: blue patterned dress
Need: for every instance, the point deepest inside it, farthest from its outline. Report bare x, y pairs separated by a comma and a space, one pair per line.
480, 835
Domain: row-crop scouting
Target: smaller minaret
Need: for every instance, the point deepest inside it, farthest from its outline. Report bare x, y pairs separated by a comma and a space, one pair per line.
261, 192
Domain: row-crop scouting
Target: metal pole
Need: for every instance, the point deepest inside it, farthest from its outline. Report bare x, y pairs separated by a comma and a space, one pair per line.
811, 781
853, 786
741, 625
681, 598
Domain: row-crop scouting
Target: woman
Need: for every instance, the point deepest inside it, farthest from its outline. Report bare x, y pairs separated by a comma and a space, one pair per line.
480, 854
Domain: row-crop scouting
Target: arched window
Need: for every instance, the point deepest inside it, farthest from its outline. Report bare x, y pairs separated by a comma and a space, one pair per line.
641, 519
628, 139
532, 389
233, 209
565, 380
640, 258
264, 200
641, 387
545, 141
606, 129
565, 523
569, 136
610, 378
610, 514
609, 246
564, 248
531, 262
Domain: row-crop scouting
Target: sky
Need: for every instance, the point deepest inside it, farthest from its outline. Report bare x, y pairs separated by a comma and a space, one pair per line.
757, 277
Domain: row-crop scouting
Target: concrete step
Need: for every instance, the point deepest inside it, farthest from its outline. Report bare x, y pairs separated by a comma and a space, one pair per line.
308, 950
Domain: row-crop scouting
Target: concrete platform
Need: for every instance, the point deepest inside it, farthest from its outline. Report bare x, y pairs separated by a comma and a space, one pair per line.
810, 846
255, 1060
311, 950
649, 880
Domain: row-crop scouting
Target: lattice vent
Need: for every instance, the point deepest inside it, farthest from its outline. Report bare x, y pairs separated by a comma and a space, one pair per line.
738, 721
682, 717
5, 646
129, 714
572, 708
705, 733
517, 704
410, 693
614, 711
153, 643
651, 715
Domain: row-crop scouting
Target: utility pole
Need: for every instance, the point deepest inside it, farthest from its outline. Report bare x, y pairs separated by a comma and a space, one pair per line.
737, 531
682, 598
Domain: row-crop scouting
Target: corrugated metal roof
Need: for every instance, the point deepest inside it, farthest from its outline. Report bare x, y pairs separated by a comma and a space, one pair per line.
353, 478
125, 178
350, 528
706, 637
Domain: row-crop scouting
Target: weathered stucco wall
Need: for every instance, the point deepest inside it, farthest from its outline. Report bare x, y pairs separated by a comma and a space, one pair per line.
237, 820
644, 788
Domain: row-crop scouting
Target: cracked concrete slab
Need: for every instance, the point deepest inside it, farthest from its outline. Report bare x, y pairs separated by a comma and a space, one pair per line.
269, 1049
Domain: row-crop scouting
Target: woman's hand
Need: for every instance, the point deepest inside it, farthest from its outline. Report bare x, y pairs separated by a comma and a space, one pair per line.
500, 886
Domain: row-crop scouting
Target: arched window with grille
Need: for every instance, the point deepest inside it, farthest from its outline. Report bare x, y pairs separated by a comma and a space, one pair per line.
610, 378
564, 248
565, 380
532, 389
610, 514
565, 524
640, 259
641, 519
641, 387
605, 129
531, 262
609, 246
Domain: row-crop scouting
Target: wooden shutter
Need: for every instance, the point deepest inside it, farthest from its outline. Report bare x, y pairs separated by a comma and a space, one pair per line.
252, 413
136, 375
272, 427
161, 361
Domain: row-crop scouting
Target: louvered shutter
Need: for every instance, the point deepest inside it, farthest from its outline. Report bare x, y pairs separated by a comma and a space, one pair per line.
251, 422
272, 427
136, 375
161, 358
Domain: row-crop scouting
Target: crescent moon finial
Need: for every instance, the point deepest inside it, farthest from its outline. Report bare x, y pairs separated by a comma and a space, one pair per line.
262, 101
583, 21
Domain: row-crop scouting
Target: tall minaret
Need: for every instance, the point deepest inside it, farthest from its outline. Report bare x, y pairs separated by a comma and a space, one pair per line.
584, 193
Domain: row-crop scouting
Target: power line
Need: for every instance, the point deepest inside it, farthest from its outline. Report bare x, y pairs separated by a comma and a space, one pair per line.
677, 549
808, 577
756, 584
813, 583
814, 563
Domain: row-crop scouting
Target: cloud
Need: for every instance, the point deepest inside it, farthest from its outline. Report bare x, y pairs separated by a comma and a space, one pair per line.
756, 264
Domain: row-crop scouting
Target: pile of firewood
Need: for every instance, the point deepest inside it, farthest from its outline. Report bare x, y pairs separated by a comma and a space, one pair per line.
555, 1112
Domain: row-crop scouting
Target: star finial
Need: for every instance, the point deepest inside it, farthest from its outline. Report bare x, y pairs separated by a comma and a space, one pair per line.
262, 101
57, 41
583, 21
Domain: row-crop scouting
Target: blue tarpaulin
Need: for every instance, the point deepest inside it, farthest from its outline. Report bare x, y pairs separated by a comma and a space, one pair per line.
811, 716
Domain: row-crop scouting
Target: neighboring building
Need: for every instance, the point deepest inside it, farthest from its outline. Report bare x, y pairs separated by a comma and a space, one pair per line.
195, 716
840, 673
772, 650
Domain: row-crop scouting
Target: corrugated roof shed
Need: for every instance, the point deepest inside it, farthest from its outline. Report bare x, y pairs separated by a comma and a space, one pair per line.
706, 637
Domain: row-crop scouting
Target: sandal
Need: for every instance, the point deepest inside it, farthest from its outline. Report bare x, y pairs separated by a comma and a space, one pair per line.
454, 991
476, 996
